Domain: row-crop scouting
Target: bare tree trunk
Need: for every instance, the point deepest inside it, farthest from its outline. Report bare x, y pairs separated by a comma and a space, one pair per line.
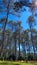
19, 42
4, 28
33, 43
15, 46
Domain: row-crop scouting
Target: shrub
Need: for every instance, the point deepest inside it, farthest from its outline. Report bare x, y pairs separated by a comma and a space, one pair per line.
30, 57
20, 58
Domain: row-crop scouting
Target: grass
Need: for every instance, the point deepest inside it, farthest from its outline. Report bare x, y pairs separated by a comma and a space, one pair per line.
17, 63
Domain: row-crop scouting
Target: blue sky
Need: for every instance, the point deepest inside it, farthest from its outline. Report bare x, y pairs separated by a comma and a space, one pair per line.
23, 18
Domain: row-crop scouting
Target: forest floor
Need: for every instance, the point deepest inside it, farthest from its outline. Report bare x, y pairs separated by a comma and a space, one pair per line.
18, 63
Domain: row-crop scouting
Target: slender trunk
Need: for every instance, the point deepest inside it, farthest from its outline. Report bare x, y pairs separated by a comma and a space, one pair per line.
15, 46
34, 52
19, 48
19, 41
32, 43
25, 52
4, 28
32, 36
15, 42
19, 45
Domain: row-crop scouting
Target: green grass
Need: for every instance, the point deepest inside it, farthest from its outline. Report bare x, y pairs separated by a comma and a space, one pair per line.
17, 63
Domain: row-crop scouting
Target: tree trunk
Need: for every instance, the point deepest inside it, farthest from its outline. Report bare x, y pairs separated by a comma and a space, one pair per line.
5, 27
19, 41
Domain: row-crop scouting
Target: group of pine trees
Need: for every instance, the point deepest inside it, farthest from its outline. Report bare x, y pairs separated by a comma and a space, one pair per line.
12, 33
14, 36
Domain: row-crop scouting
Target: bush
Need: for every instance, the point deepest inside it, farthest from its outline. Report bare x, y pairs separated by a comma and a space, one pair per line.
30, 57
11, 57
20, 58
